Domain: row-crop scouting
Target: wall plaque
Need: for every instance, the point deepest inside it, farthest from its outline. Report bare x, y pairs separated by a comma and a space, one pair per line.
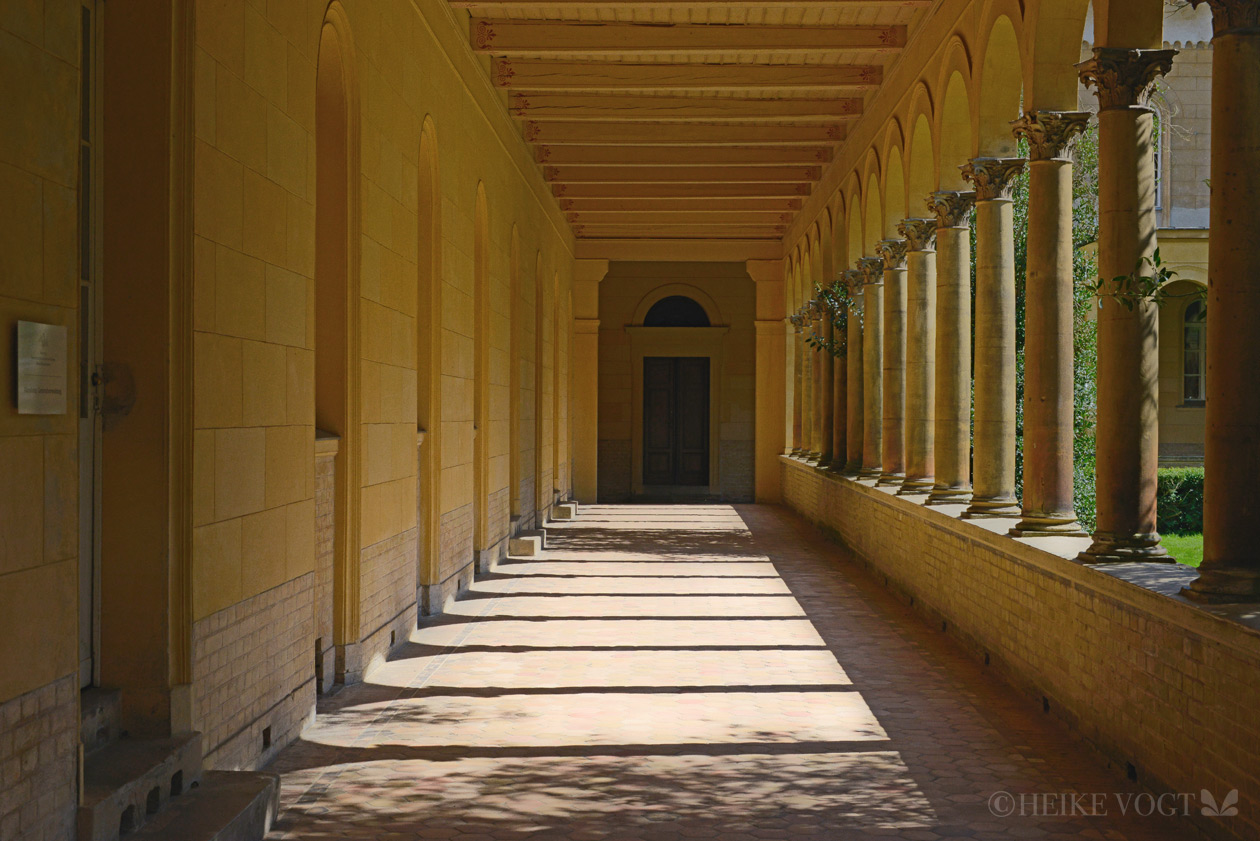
41, 369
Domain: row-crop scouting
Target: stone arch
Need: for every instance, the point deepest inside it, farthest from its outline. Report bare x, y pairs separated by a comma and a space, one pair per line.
337, 402
429, 353
816, 266
873, 218
839, 240
894, 178
826, 248
481, 368
1000, 85
1055, 32
953, 127
853, 227
922, 175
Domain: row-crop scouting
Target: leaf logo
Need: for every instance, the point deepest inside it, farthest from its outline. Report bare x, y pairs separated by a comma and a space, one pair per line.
1227, 809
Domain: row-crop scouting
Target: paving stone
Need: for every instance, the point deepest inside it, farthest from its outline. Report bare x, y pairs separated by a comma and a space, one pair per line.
673, 672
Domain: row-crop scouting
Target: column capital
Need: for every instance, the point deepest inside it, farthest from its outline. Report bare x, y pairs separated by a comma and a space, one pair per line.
952, 207
1230, 15
1123, 78
1050, 133
797, 320
919, 233
872, 269
893, 252
852, 279
589, 270
994, 177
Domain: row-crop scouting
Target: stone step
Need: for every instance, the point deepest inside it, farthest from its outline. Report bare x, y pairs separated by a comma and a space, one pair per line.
528, 543
565, 511
227, 806
127, 782
98, 717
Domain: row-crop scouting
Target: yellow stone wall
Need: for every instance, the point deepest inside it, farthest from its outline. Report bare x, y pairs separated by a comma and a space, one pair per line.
39, 176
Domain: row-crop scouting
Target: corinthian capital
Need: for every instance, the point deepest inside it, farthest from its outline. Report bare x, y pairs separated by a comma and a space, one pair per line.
893, 252
853, 279
1124, 78
872, 269
951, 207
1228, 15
1049, 133
994, 177
919, 233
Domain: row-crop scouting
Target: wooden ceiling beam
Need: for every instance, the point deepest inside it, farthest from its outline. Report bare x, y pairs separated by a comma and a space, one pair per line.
681, 217
545, 74
681, 174
680, 231
655, 205
575, 5
718, 190
517, 38
613, 107
673, 134
682, 155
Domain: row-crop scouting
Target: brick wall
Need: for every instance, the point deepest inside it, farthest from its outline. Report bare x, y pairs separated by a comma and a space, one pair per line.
735, 467
253, 668
1150, 679
39, 737
387, 592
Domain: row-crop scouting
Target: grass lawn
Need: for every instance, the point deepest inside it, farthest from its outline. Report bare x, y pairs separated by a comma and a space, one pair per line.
1186, 548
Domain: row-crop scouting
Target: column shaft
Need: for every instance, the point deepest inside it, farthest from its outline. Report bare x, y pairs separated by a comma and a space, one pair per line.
807, 391
873, 370
1128, 338
994, 437
854, 369
894, 414
1231, 567
839, 404
920, 356
798, 419
953, 349
826, 394
1048, 507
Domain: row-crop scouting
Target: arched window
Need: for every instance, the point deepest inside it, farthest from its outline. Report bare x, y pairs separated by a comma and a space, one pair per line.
676, 311
1194, 353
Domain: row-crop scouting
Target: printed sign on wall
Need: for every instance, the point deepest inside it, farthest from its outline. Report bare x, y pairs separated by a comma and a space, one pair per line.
41, 369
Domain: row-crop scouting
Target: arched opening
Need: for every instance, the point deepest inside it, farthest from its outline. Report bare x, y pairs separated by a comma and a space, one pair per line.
922, 173
894, 193
514, 375
957, 144
1001, 90
481, 368
874, 227
676, 311
429, 358
336, 315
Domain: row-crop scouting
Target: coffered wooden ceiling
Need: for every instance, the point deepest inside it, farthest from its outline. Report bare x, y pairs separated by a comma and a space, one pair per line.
660, 119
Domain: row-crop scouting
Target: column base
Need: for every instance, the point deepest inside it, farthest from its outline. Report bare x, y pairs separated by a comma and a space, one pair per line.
949, 495
986, 507
889, 479
916, 487
837, 465
1112, 548
1035, 524
852, 469
870, 473
1237, 585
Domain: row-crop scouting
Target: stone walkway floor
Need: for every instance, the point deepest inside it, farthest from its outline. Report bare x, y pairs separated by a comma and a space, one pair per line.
674, 672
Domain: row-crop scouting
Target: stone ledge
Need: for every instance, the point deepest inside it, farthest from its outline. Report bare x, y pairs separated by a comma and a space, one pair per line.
1151, 679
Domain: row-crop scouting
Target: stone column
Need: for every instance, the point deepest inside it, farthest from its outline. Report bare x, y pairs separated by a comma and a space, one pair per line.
994, 465
807, 382
587, 275
893, 252
1128, 339
770, 384
953, 347
1230, 571
798, 420
1047, 506
839, 398
853, 365
824, 393
920, 235
872, 269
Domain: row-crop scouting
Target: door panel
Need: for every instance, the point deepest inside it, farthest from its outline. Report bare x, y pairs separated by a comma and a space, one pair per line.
675, 420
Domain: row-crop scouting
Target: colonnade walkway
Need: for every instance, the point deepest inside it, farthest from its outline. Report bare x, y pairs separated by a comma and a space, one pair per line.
667, 672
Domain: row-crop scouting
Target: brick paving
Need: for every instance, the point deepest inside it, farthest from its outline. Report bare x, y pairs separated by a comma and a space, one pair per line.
675, 672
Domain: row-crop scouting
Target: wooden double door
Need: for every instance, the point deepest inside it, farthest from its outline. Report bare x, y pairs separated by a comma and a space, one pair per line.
676, 420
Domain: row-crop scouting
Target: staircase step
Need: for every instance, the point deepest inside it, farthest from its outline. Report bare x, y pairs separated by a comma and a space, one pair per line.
98, 718
128, 781
227, 806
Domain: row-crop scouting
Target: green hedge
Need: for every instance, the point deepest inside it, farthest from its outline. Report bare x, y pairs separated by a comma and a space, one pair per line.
1180, 500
